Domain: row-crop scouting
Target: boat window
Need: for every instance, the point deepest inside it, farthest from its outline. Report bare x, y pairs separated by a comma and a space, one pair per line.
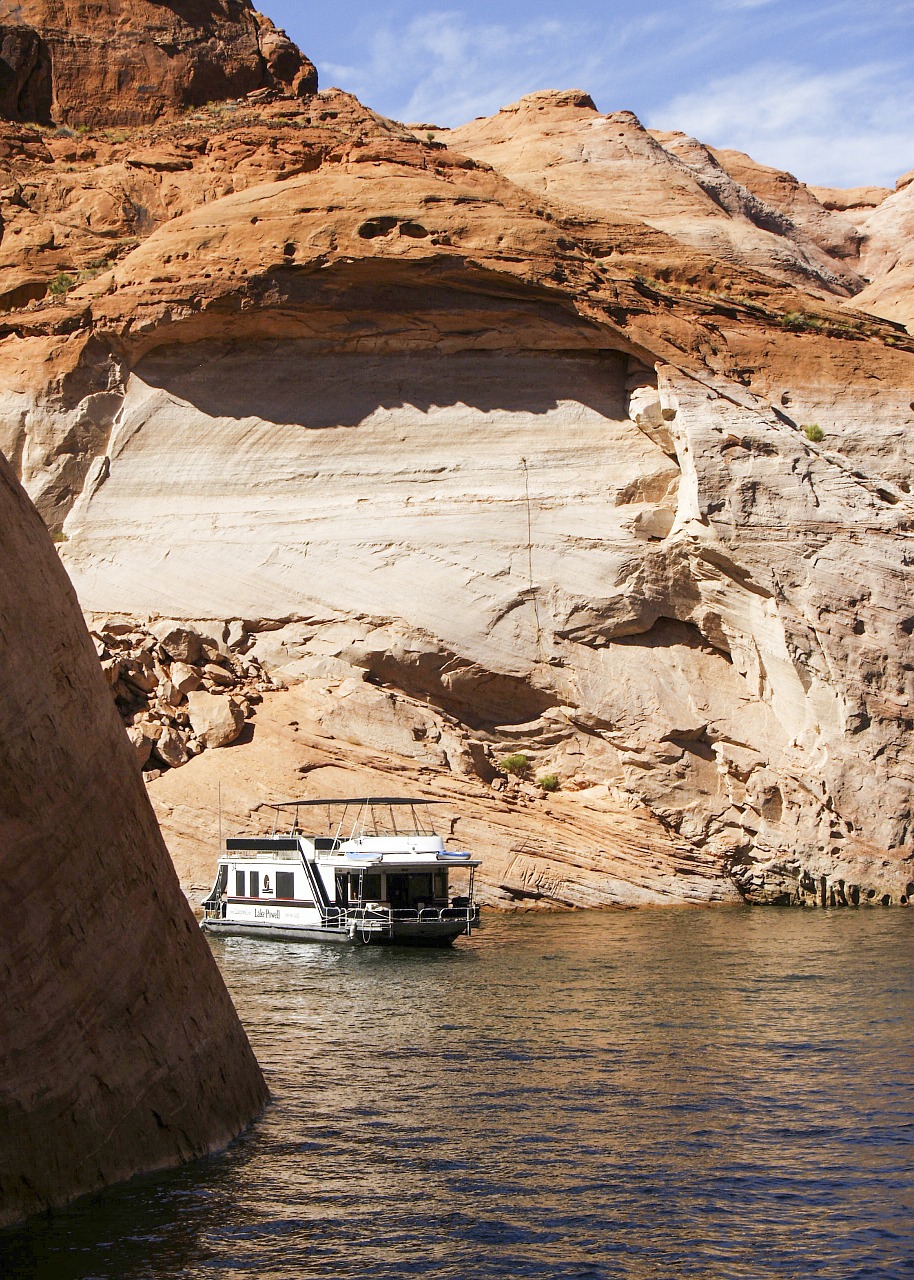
255, 884
285, 884
239, 884
342, 888
440, 884
371, 887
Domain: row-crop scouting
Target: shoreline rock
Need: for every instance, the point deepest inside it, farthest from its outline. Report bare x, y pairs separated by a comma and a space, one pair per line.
120, 1050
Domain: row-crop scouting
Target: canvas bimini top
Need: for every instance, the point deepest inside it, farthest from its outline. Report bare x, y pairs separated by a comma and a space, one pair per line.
361, 800
373, 816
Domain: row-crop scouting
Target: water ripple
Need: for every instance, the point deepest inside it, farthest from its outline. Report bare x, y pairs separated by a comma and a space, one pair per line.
726, 1095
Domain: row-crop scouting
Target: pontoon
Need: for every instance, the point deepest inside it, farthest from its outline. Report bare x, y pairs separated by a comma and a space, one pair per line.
378, 874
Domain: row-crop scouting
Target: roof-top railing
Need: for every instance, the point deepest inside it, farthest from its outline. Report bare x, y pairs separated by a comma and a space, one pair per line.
366, 821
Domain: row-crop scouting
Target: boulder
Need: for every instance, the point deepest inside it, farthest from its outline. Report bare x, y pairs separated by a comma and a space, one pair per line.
215, 719
112, 670
143, 736
168, 693
186, 679
139, 676
237, 637
171, 749
218, 675
181, 644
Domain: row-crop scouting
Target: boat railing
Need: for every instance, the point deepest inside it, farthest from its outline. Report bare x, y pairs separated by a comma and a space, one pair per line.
394, 915
341, 917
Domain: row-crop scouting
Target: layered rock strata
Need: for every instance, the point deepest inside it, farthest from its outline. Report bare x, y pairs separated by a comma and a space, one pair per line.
854, 244
887, 254
555, 541
120, 1050
584, 846
558, 145
872, 227
480, 468
74, 204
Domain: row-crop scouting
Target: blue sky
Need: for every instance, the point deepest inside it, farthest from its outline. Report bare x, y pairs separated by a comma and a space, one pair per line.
824, 88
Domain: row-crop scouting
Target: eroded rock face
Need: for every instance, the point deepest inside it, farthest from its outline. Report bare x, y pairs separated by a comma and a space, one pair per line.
888, 255
128, 61
119, 1047
570, 554
584, 846
73, 205
559, 146
478, 471
871, 227
806, 207
854, 244
25, 75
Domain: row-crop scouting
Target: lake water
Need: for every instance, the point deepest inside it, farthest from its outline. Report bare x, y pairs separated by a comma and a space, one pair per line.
720, 1093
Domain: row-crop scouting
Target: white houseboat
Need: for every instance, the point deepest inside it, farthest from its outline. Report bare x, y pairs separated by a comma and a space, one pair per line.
379, 873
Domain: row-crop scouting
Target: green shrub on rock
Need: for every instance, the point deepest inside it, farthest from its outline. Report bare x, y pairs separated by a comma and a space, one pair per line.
548, 782
61, 284
518, 765
801, 322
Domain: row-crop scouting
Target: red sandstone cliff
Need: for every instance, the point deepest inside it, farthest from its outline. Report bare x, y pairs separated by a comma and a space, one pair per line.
592, 457
81, 62
120, 1050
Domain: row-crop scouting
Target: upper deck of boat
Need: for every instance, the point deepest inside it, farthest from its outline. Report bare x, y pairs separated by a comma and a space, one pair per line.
369, 830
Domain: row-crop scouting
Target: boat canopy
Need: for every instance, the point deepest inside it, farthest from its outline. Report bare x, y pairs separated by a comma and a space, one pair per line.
379, 800
372, 815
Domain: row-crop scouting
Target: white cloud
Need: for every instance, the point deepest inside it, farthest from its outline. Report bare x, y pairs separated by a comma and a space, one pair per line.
828, 124
840, 128
442, 68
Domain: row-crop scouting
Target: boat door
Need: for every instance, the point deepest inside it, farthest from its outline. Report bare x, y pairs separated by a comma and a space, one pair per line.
398, 890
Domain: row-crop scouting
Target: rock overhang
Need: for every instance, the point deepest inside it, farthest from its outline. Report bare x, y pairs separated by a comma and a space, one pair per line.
267, 254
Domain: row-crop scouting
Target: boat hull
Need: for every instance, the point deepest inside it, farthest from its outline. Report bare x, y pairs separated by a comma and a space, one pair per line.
438, 933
